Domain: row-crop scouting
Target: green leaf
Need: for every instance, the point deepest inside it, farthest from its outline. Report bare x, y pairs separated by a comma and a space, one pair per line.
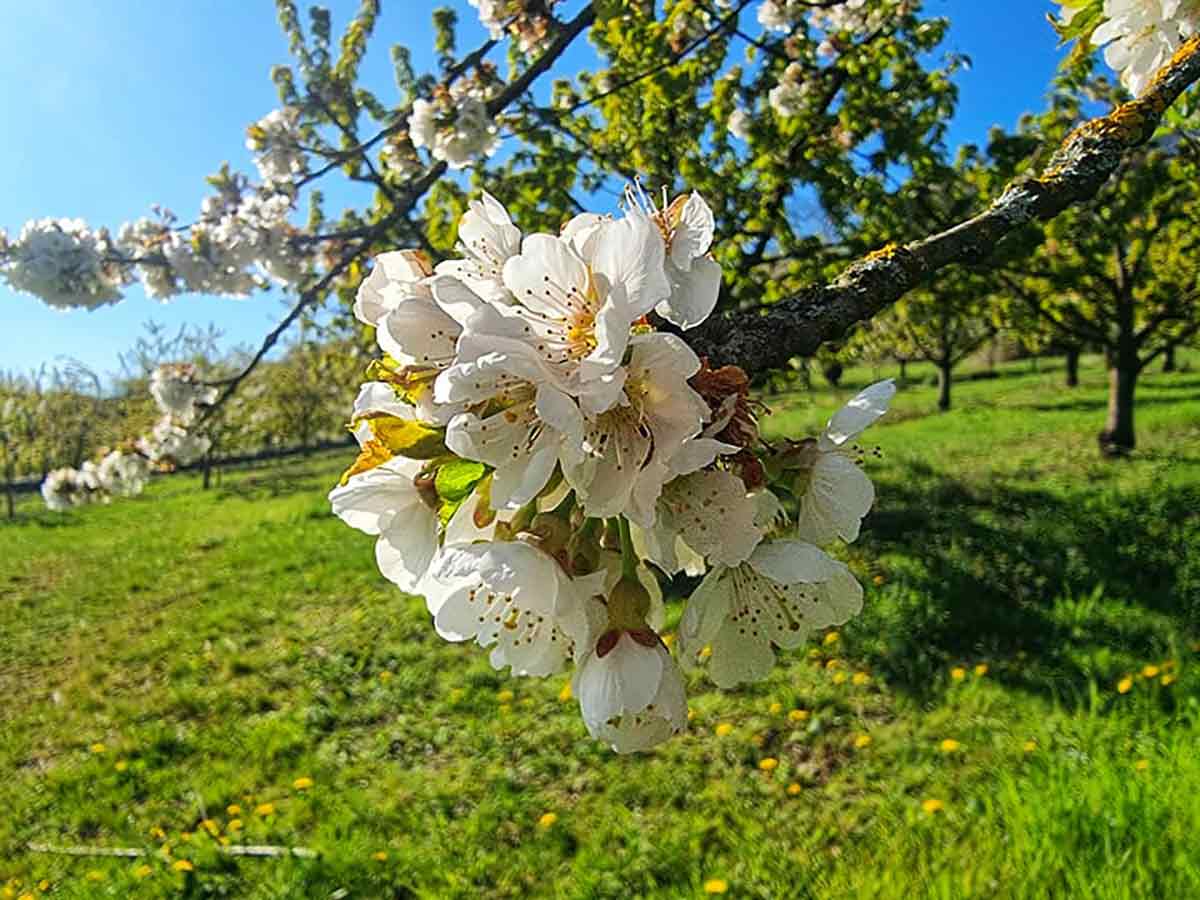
456, 479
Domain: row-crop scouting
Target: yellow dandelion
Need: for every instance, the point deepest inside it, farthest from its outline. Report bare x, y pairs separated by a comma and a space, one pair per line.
832, 638
691, 714
668, 640
303, 783
1168, 680
1150, 671
1142, 765
878, 580
224, 841
547, 820
862, 741
26, 896
182, 865
505, 696
211, 827
716, 886
1125, 685
793, 789
234, 825
98, 748
723, 730
932, 806
142, 871
265, 809
379, 856
958, 673
949, 745
565, 694
44, 885
839, 678
833, 664
798, 715
165, 849
121, 765
185, 835
770, 764
94, 875
233, 809
981, 670
775, 709
814, 653
457, 694
861, 678
1029, 746
705, 652
385, 676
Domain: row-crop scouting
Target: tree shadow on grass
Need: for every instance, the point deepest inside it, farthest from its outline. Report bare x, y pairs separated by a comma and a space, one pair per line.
282, 481
1064, 587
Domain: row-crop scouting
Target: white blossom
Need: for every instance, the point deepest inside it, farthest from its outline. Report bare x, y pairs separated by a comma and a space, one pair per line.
838, 493
780, 595
275, 142
739, 124
178, 393
1140, 36
125, 474
63, 262
455, 127
512, 597
386, 501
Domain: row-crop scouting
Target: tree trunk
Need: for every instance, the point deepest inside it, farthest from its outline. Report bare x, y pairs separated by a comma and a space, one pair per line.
207, 471
943, 386
9, 494
904, 370
1072, 367
1169, 360
1117, 438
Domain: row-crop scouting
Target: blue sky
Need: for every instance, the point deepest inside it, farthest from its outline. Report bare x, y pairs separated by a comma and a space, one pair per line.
110, 108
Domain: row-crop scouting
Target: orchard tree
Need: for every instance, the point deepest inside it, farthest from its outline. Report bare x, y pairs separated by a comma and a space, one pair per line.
1122, 273
555, 410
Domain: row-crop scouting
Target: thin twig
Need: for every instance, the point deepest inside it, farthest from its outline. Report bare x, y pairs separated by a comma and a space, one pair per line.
258, 851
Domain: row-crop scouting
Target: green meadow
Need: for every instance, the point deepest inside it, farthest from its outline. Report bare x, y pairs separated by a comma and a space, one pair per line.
1015, 714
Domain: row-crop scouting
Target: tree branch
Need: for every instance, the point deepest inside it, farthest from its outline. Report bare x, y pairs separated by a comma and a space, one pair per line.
759, 341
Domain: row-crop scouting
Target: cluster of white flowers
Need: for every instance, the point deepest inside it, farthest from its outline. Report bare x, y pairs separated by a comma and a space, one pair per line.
64, 262
739, 124
119, 473
242, 238
1139, 37
790, 95
455, 126
180, 397
531, 446
528, 21
275, 141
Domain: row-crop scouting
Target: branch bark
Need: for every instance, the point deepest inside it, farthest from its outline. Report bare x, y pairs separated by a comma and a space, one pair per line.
758, 341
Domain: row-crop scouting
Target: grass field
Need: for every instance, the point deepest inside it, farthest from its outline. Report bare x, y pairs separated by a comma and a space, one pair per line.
1016, 713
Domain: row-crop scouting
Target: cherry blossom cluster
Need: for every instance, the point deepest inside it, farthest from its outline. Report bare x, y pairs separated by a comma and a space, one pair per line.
241, 242
538, 446
528, 21
275, 141
123, 472
64, 262
454, 125
852, 16
118, 473
1138, 36
180, 396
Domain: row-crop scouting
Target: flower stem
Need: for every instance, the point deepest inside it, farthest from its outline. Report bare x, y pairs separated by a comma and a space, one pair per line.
629, 557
